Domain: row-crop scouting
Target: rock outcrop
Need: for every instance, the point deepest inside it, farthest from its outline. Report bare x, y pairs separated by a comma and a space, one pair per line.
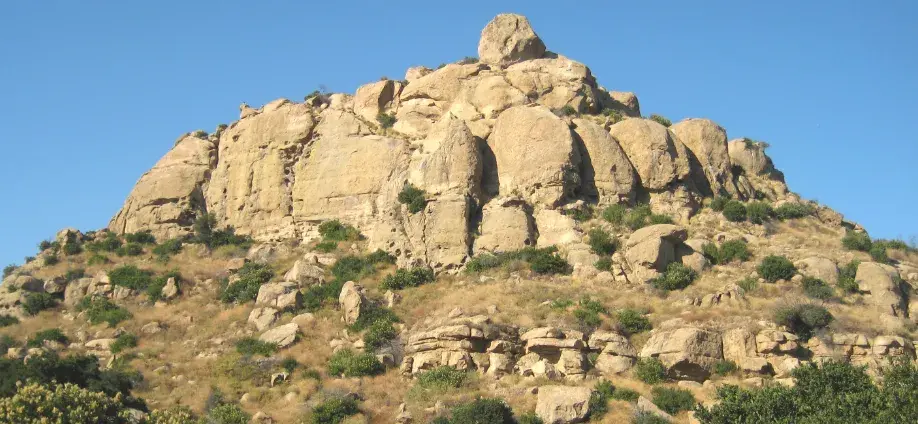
507, 39
562, 404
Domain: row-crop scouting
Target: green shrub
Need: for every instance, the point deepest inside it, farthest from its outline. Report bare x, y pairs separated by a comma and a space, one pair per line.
52, 334
542, 261
64, 403
660, 119
131, 277
378, 334
168, 248
794, 210
130, 249
725, 367
347, 363
141, 237
37, 302
878, 253
442, 378
96, 259
354, 268
326, 246
123, 342
317, 296
656, 219
8, 270
587, 312
803, 319
817, 289
637, 217
529, 418
748, 284
549, 263
385, 120
6, 342
568, 110
631, 321
650, 370
413, 197
718, 203
615, 214
643, 417
774, 268
110, 243
626, 395
51, 260
603, 264
72, 248
155, 289
74, 274
734, 211
249, 280
482, 411
334, 410
404, 278
673, 400
581, 214
8, 320
228, 413
99, 309
250, 346
289, 365
599, 400
82, 370
831, 393
758, 212
228, 237
846, 277
676, 277
729, 251
614, 116
334, 230
174, 415
857, 241
44, 245
29, 259
484, 262
601, 242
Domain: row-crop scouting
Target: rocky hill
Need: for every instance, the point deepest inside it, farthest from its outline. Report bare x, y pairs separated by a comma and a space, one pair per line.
502, 228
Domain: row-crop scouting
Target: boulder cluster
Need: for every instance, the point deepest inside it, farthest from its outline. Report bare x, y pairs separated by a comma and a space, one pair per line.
500, 147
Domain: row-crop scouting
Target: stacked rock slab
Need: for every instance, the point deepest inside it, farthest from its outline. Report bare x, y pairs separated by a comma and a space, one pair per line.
489, 142
466, 343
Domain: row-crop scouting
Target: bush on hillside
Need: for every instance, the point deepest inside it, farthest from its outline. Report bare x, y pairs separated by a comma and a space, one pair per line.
334, 410
82, 370
228, 413
52, 334
50, 260
676, 277
794, 210
250, 346
168, 248
803, 319
326, 246
734, 211
673, 400
482, 411
817, 289
581, 214
413, 197
99, 309
846, 277
404, 278
442, 378
123, 342
603, 264
97, 259
661, 120
130, 249
110, 243
718, 203
61, 403
601, 242
155, 289
249, 280
587, 313
728, 251
774, 268
8, 270
131, 277
598, 405
36, 302
631, 321
347, 363
758, 212
650, 370
615, 213
878, 253
725, 367
541, 261
335, 230
8, 320
140, 237
857, 241
385, 120
74, 274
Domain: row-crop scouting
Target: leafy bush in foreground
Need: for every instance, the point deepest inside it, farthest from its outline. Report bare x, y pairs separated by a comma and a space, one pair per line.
817, 289
631, 321
442, 378
650, 370
36, 302
774, 268
541, 261
728, 251
334, 411
52, 334
64, 403
673, 400
482, 411
734, 211
404, 278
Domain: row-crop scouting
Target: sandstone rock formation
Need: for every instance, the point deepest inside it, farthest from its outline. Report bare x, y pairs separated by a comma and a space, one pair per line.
562, 405
509, 38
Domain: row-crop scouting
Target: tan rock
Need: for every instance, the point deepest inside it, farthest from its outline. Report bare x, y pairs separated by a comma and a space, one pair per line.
556, 82
505, 226
163, 200
282, 336
819, 267
880, 283
645, 406
373, 98
170, 290
283, 296
416, 72
509, 38
263, 318
707, 143
658, 159
563, 404
535, 154
351, 301
688, 353
556, 229
605, 169
305, 273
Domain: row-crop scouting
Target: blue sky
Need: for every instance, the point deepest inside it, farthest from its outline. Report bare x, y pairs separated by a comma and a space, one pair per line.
92, 93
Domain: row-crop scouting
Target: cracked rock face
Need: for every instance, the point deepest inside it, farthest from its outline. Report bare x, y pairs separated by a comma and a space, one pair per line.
509, 38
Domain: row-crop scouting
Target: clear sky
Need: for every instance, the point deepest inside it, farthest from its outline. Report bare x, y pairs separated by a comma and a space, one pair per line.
93, 93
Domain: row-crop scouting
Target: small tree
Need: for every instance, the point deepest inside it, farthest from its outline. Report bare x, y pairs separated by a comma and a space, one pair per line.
413, 197
774, 268
385, 120
661, 120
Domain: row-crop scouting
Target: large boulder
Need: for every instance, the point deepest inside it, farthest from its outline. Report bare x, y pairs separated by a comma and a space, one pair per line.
283, 296
505, 225
880, 282
509, 38
556, 82
563, 404
282, 336
819, 267
352, 301
688, 353
263, 318
535, 154
26, 283
605, 170
373, 98
650, 249
616, 354
710, 160
758, 173
449, 161
165, 198
658, 159
250, 187
305, 273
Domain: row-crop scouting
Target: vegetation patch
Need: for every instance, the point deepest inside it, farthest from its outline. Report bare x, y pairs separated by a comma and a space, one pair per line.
404, 278
774, 268
728, 251
335, 230
348, 363
650, 370
817, 289
725, 367
794, 210
676, 277
541, 261
334, 410
140, 237
846, 277
673, 400
99, 309
413, 197
250, 346
248, 280
854, 240
587, 313
734, 211
803, 319
123, 342
52, 334
155, 289
8, 320
131, 277
603, 264
130, 249
168, 248
442, 378
37, 302
632, 321
385, 120
602, 243
482, 411
758, 212
661, 120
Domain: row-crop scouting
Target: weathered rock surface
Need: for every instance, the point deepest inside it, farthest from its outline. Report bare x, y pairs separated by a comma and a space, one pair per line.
605, 170
562, 404
688, 353
509, 38
658, 159
263, 318
819, 267
283, 296
282, 336
506, 224
650, 249
352, 301
305, 273
707, 143
880, 282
